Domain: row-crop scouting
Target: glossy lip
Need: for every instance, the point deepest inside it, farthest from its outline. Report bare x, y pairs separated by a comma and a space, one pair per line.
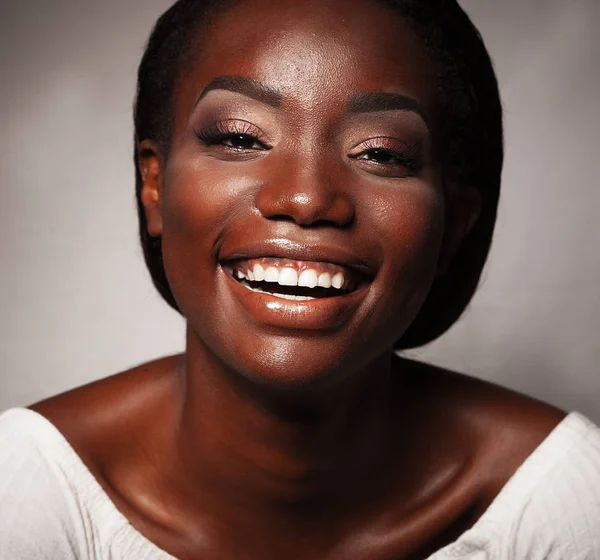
315, 314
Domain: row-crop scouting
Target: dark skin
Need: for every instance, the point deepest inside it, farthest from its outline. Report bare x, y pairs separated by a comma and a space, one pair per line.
289, 429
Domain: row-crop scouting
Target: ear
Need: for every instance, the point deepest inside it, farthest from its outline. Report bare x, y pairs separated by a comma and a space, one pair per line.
149, 163
463, 207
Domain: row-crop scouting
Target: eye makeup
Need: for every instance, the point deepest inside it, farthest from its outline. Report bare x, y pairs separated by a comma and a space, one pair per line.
384, 141
389, 157
215, 132
235, 134
389, 143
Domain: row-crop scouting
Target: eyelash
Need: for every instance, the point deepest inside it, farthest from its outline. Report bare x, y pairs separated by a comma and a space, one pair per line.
408, 158
218, 133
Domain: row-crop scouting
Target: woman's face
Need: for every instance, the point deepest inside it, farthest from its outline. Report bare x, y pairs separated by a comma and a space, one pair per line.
302, 152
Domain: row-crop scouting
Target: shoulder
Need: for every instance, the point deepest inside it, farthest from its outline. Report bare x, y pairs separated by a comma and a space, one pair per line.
53, 500
28, 443
499, 428
537, 469
550, 508
103, 419
36, 502
491, 411
122, 430
560, 482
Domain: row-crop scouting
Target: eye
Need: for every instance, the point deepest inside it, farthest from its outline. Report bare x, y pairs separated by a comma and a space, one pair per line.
241, 142
389, 157
381, 155
234, 136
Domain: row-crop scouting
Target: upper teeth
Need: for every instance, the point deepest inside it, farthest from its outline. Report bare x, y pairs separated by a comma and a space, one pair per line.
287, 276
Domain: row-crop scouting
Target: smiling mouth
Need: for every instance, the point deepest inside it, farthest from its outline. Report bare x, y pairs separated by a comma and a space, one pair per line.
295, 280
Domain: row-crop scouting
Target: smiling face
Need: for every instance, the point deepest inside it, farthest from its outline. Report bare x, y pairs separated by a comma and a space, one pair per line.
301, 209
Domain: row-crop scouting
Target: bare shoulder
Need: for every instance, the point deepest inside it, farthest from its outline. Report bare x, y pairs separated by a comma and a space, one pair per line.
503, 426
487, 406
100, 416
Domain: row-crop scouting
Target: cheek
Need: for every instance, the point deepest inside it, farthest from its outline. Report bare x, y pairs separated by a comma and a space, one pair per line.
200, 198
198, 203
411, 225
411, 229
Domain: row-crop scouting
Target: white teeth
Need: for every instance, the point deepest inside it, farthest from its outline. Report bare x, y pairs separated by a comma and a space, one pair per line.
325, 280
308, 279
271, 274
282, 296
259, 273
338, 281
288, 277
296, 298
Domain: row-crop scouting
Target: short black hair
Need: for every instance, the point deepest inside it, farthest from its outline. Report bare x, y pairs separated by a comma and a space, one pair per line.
470, 117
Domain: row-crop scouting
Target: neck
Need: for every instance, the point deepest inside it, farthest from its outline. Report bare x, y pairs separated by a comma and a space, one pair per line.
280, 450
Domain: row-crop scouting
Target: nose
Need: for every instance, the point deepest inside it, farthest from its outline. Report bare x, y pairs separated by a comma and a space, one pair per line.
306, 196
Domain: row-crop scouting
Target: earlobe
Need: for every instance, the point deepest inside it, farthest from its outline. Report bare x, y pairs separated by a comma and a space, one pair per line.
462, 211
151, 171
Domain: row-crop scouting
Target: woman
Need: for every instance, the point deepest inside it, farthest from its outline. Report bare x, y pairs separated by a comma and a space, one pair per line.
317, 184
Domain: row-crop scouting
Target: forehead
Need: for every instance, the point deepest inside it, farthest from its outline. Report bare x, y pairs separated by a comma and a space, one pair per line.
315, 52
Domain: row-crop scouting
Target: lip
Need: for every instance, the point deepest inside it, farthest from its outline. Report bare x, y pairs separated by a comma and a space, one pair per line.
316, 314
319, 314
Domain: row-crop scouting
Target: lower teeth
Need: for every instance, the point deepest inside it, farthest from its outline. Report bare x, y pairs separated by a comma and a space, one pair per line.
288, 296
275, 294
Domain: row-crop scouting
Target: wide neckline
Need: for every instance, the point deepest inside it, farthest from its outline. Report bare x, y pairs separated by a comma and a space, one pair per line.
550, 450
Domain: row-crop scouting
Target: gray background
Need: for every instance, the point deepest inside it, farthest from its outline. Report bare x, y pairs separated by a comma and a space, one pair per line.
76, 302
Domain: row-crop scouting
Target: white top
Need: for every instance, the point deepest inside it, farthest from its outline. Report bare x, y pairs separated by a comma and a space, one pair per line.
52, 508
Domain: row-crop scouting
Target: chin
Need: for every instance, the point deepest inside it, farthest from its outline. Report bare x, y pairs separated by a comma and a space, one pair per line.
300, 364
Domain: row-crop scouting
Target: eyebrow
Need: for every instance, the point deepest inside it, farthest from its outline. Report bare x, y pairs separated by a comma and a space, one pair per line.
246, 86
359, 102
382, 101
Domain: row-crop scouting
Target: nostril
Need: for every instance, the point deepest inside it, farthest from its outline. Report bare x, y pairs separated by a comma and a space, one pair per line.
281, 217
327, 223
